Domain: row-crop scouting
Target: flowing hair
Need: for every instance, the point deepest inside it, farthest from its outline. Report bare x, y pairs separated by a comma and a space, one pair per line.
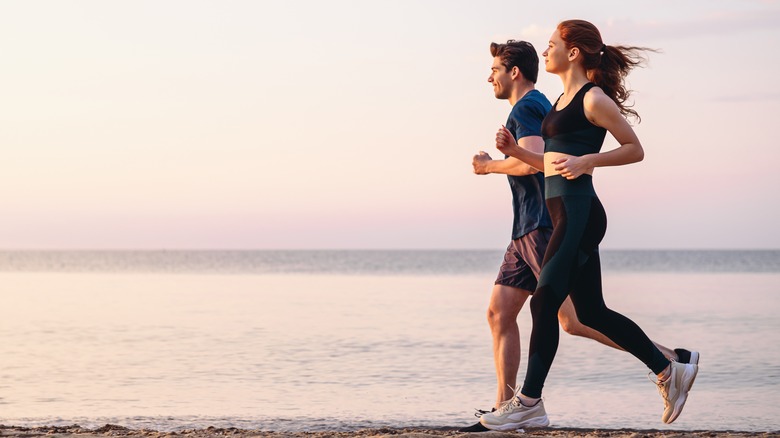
606, 66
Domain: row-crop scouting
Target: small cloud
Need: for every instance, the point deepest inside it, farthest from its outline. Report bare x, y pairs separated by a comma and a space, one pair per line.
749, 97
536, 32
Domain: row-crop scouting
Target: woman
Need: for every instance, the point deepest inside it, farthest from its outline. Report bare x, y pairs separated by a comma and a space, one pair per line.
593, 102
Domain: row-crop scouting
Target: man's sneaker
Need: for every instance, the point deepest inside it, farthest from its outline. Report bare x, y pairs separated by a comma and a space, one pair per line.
513, 415
478, 427
674, 390
686, 356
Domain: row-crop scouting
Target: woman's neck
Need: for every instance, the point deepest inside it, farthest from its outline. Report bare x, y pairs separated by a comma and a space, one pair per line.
573, 79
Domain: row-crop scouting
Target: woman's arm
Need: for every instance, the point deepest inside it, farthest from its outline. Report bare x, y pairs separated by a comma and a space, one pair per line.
602, 111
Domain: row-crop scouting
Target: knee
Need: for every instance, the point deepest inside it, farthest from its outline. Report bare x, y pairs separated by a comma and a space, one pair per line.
572, 326
544, 303
500, 318
505, 305
585, 320
495, 317
576, 321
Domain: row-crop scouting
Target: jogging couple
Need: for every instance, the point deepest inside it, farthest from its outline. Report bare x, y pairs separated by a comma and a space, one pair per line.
550, 154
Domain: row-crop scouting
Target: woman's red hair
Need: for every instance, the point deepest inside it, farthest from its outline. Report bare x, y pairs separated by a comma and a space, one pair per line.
606, 66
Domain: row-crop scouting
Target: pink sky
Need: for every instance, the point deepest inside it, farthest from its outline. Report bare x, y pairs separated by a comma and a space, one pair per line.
266, 125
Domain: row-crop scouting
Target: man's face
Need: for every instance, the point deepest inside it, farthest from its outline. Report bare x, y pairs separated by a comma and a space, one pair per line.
501, 78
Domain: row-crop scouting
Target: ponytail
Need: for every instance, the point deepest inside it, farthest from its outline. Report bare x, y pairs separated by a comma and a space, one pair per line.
606, 66
614, 64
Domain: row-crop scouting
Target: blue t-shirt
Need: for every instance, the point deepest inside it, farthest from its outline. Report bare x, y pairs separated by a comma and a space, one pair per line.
528, 205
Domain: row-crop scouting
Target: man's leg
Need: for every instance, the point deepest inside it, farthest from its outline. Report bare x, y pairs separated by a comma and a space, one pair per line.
571, 325
505, 305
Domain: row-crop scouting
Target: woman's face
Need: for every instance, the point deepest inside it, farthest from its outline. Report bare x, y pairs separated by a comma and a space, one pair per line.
556, 56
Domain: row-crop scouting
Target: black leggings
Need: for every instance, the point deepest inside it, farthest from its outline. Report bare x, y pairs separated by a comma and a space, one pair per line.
571, 267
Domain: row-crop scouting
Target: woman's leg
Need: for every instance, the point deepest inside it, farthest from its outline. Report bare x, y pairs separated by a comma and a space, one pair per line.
593, 312
557, 276
586, 295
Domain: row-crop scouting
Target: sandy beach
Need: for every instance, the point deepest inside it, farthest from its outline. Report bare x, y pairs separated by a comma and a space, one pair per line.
76, 431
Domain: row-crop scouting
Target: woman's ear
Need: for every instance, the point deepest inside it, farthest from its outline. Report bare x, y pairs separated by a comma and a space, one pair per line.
574, 52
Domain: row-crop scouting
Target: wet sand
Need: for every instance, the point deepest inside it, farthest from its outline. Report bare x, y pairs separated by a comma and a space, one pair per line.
109, 430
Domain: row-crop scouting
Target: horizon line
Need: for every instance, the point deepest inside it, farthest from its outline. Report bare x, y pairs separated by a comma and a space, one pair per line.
206, 249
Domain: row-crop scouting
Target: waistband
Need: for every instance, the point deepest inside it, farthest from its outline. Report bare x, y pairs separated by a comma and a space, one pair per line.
556, 185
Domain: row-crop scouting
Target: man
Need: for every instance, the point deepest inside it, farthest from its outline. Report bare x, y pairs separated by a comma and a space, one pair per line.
513, 76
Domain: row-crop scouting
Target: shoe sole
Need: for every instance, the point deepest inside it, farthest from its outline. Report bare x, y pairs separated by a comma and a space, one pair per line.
680, 403
542, 421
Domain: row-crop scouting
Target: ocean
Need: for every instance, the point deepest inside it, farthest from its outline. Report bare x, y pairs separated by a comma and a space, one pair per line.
346, 340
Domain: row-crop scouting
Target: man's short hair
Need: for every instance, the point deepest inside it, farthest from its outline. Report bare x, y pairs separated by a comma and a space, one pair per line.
520, 54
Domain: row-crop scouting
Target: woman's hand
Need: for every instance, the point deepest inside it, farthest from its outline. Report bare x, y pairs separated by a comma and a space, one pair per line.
571, 167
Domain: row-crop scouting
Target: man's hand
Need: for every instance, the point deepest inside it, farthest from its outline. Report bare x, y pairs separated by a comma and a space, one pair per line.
480, 163
505, 142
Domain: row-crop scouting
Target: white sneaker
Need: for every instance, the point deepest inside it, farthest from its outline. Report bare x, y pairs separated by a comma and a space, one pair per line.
674, 390
687, 356
513, 415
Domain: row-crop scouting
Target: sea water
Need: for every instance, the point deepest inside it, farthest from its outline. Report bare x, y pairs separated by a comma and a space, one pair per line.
340, 340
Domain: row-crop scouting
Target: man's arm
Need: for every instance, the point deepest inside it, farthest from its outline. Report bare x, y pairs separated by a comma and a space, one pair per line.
484, 164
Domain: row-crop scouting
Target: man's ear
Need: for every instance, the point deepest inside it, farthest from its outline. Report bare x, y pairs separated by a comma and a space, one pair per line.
515, 73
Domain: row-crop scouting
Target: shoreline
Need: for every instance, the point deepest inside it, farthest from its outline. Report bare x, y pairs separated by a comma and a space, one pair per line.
76, 431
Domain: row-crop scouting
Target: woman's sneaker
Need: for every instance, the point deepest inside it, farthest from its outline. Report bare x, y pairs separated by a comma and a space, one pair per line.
687, 356
513, 415
674, 390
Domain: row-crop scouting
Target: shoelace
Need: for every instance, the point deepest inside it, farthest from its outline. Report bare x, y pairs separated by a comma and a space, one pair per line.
511, 403
505, 405
481, 412
662, 387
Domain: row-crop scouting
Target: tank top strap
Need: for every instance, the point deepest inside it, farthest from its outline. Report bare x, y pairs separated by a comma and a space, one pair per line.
577, 100
580, 96
555, 105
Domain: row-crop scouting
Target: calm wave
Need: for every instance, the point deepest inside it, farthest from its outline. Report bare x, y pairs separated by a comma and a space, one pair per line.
363, 339
367, 262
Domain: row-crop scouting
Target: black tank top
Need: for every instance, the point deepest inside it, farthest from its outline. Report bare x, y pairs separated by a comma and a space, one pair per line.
568, 131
